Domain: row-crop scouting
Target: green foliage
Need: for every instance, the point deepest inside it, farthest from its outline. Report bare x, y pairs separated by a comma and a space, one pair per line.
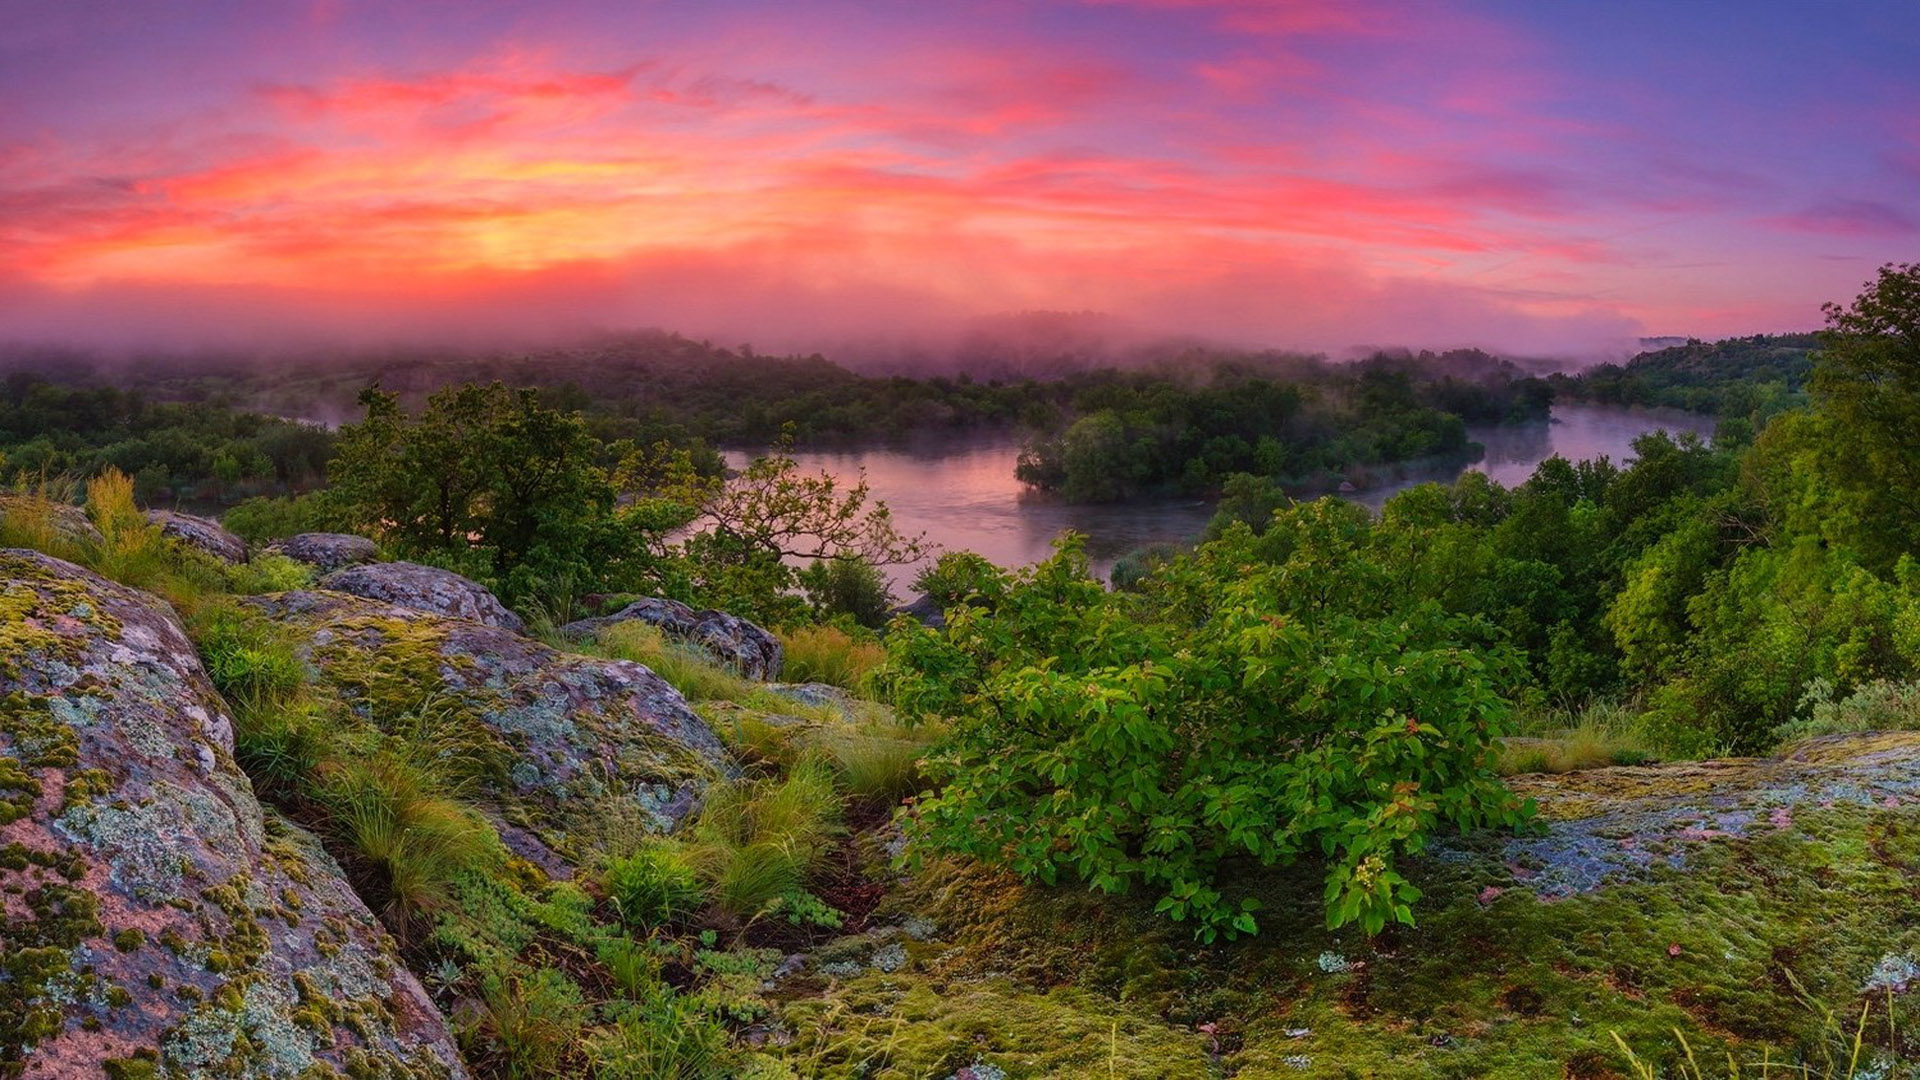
264, 518
1300, 421
847, 586
198, 449
755, 841
959, 576
830, 654
531, 1020
1880, 705
397, 820
661, 1036
654, 886
1131, 744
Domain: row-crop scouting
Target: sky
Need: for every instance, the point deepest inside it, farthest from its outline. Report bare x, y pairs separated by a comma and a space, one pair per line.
1548, 177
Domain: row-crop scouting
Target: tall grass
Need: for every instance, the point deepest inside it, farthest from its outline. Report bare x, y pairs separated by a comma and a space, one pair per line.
756, 841
873, 765
396, 819
688, 669
829, 654
129, 550
1562, 740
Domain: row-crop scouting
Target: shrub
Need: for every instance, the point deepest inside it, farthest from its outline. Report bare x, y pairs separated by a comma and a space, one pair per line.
532, 1020
264, 518
130, 550
1241, 711
661, 1036
654, 886
1130, 569
847, 586
829, 654
1881, 705
961, 576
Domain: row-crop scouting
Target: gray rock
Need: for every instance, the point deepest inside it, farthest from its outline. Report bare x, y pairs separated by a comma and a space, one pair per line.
327, 552
204, 534
425, 588
170, 916
749, 649
584, 735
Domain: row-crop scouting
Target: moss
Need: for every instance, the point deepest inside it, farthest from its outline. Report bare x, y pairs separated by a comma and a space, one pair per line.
84, 786
35, 963
1753, 948
34, 604
129, 940
130, 1069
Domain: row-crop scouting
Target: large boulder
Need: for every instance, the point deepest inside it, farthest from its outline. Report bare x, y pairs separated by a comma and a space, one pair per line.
156, 921
746, 647
584, 743
204, 534
425, 588
326, 552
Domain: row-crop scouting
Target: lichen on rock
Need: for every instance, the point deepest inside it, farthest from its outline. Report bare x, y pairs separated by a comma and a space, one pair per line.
201, 534
425, 588
581, 739
749, 649
326, 552
142, 928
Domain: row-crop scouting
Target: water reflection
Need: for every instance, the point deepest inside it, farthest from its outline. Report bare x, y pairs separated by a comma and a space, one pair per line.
964, 496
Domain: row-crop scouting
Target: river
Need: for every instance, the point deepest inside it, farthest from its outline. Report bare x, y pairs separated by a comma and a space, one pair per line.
963, 496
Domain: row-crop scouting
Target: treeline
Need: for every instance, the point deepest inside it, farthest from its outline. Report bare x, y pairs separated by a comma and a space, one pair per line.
1135, 433
1736, 377
200, 450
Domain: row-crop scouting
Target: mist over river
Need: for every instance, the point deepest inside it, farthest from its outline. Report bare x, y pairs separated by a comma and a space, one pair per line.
963, 495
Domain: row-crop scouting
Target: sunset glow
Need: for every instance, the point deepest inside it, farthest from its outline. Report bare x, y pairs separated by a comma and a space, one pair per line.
1310, 173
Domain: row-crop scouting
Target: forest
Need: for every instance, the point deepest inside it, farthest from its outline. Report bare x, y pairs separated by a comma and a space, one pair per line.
1293, 714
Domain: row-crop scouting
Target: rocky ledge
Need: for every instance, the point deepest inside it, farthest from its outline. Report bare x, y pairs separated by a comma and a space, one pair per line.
157, 922
585, 741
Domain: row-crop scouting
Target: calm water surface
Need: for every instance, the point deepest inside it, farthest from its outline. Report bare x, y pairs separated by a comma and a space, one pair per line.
964, 496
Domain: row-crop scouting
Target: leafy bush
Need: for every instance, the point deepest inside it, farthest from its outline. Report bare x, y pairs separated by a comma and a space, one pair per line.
654, 886
1880, 705
265, 518
847, 586
1100, 738
531, 1020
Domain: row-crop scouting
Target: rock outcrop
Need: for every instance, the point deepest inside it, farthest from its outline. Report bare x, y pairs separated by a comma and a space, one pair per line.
425, 588
156, 921
327, 552
584, 743
202, 534
749, 649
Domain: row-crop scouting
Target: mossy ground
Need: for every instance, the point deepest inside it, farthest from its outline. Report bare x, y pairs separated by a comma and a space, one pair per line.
1765, 947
